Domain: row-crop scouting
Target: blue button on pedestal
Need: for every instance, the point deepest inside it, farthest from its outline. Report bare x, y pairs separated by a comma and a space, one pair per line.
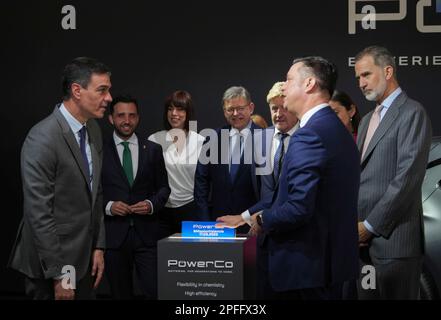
205, 229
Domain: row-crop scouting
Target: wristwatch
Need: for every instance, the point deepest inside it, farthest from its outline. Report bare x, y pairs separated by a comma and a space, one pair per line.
259, 220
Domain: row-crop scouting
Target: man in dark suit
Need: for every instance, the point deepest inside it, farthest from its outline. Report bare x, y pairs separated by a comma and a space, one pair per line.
394, 141
312, 225
226, 165
135, 188
60, 242
275, 142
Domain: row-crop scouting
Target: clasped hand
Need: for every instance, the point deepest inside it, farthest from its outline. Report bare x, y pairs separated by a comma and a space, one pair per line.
120, 208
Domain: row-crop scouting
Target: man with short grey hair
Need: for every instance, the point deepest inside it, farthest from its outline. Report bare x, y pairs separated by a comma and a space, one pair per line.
276, 141
394, 141
284, 126
63, 221
233, 183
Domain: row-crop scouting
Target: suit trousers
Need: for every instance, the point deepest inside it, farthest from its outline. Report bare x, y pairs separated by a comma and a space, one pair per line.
170, 219
120, 263
43, 289
264, 289
395, 279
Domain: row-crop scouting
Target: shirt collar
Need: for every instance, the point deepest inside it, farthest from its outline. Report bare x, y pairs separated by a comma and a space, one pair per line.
391, 98
132, 140
290, 131
244, 132
74, 124
170, 138
310, 113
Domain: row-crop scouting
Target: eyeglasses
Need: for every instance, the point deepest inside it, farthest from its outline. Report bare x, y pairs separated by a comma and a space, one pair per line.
238, 109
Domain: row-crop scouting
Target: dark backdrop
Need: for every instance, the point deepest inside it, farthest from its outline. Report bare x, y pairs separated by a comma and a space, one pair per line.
154, 48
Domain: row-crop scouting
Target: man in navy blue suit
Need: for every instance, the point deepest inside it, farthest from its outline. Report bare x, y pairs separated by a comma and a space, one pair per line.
135, 189
231, 173
311, 226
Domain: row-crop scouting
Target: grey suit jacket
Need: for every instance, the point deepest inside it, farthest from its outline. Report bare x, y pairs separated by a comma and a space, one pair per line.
63, 219
392, 172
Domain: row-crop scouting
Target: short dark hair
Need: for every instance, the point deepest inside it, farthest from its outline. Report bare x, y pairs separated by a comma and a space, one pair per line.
80, 70
181, 99
126, 98
382, 57
345, 100
323, 70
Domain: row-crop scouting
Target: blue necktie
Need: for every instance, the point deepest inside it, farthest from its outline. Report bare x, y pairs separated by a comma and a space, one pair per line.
83, 132
237, 150
278, 156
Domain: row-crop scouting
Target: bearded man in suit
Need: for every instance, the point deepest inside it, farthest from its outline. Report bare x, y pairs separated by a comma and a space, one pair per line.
394, 141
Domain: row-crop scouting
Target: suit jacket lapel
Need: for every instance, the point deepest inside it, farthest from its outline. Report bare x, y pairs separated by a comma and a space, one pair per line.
142, 149
95, 164
362, 131
253, 163
224, 167
385, 123
71, 142
267, 145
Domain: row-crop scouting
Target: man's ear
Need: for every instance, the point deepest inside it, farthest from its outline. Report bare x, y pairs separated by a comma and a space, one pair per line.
389, 72
76, 90
110, 119
310, 84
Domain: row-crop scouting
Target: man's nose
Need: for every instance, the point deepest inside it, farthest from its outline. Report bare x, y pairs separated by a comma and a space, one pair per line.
108, 97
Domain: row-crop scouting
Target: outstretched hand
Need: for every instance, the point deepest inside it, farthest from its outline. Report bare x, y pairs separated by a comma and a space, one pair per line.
230, 221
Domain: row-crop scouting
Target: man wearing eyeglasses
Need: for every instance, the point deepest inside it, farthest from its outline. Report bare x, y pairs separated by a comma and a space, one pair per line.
232, 178
276, 141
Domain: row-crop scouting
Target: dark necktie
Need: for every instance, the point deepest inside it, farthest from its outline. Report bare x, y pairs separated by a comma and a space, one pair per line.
236, 155
127, 162
278, 156
83, 132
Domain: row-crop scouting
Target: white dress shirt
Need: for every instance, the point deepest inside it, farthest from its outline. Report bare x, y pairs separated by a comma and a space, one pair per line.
235, 135
310, 113
180, 165
388, 101
134, 150
276, 141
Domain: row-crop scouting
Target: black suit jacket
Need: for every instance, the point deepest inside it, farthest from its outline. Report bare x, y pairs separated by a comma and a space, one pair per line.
151, 183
